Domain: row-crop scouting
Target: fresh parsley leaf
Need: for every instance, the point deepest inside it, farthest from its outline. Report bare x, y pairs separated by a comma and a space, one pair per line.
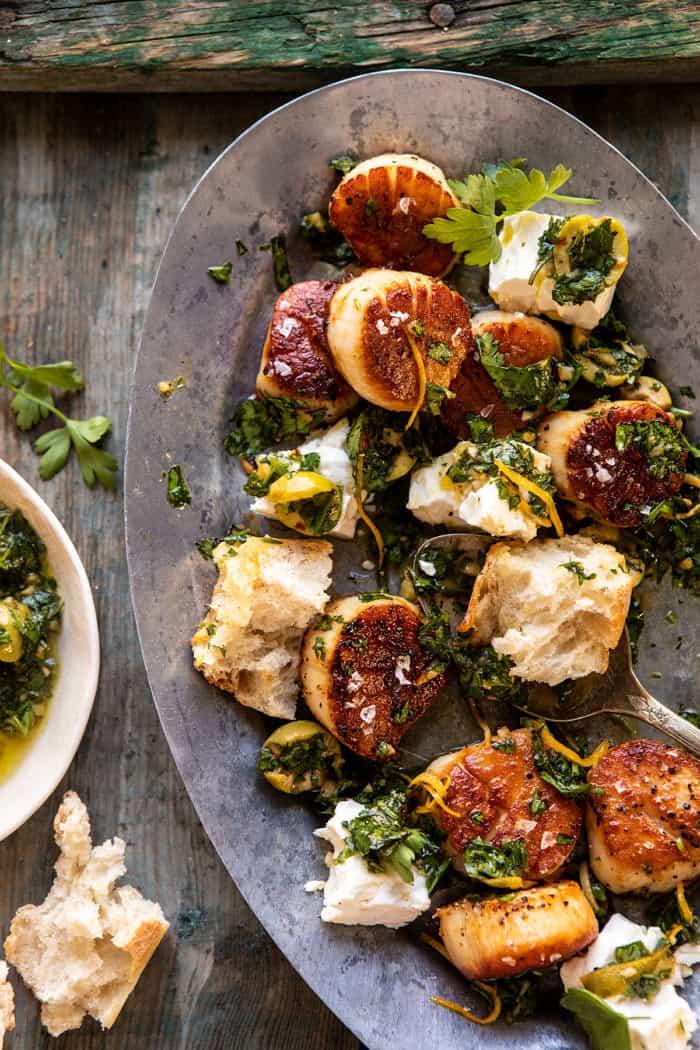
178, 493
659, 443
343, 164
629, 952
319, 647
502, 190
472, 231
259, 423
484, 860
507, 746
280, 261
241, 249
480, 430
521, 388
440, 352
537, 804
33, 402
577, 568
221, 274
605, 1027
328, 242
54, 448
435, 395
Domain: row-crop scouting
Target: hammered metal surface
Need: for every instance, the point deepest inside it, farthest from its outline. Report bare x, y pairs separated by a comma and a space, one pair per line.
378, 982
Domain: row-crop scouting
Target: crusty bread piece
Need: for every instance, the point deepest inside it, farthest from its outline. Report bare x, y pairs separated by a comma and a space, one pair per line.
7, 1004
83, 950
553, 621
267, 593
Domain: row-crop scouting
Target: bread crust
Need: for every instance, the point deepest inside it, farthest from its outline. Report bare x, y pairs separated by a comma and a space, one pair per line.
644, 805
496, 937
116, 931
296, 361
381, 207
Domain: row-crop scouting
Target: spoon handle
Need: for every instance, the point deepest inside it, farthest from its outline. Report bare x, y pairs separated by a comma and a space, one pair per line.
643, 706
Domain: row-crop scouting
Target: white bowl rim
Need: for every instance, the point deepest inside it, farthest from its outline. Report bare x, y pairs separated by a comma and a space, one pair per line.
15, 492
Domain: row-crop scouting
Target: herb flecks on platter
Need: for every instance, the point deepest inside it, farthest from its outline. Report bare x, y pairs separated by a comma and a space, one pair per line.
499, 191
33, 402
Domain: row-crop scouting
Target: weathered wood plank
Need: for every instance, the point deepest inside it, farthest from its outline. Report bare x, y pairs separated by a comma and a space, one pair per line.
124, 45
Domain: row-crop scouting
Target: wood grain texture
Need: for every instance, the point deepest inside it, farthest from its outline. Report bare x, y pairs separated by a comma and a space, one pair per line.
193, 45
89, 190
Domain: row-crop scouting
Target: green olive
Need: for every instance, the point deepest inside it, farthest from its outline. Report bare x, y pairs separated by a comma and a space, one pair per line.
12, 615
648, 389
616, 978
402, 464
301, 756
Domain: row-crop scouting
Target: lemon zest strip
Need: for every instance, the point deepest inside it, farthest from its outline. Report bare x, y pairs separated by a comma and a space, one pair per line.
684, 909
524, 483
588, 762
436, 944
422, 378
378, 539
436, 787
486, 990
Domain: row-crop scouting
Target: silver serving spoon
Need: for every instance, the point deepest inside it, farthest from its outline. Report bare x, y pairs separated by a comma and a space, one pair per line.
617, 692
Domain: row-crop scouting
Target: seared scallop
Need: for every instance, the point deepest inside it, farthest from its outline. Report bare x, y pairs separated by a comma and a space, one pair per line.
500, 937
381, 207
378, 323
295, 361
615, 458
643, 817
499, 796
523, 340
364, 674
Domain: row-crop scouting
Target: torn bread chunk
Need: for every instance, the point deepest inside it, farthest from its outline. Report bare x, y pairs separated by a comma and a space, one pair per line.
83, 950
556, 607
7, 1004
267, 593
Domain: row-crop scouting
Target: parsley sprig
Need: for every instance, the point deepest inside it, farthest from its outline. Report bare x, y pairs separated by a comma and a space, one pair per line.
499, 191
33, 402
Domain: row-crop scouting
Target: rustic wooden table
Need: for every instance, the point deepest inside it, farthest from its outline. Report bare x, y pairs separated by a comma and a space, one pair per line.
89, 188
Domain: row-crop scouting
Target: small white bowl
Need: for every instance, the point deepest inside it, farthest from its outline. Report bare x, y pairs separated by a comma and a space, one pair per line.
57, 737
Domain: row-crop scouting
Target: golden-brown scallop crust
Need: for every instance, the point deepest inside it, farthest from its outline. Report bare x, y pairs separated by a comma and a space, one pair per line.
628, 485
381, 213
500, 937
523, 341
643, 817
379, 320
495, 791
372, 696
296, 361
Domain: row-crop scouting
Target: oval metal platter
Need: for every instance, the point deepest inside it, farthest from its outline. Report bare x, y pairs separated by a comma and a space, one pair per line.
377, 981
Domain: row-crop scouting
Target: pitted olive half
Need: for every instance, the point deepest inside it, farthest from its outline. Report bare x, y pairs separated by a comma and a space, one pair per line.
301, 756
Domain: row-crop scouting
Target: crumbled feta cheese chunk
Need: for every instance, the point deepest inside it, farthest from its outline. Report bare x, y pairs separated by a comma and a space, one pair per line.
509, 277
434, 498
664, 1022
336, 466
354, 895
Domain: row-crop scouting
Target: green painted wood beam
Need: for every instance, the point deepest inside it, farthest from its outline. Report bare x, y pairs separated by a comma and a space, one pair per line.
229, 45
